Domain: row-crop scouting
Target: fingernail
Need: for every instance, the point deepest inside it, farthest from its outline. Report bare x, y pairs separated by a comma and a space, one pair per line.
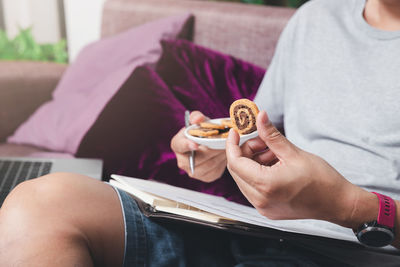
195, 119
263, 117
231, 130
192, 146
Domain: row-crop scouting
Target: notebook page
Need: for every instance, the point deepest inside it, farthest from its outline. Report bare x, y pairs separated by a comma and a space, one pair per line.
238, 212
167, 205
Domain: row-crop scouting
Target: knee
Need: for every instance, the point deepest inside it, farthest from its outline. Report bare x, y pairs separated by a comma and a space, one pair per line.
43, 192
28, 206
39, 213
42, 204
35, 200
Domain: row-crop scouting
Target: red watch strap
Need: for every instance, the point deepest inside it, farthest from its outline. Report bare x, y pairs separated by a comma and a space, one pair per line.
387, 210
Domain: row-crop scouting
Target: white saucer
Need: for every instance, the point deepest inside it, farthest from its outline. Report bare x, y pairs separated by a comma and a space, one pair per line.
216, 143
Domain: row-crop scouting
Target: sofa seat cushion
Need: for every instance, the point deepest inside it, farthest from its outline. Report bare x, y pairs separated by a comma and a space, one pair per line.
14, 150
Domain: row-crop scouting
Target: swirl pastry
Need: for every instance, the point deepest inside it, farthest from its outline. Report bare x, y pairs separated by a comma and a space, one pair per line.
243, 113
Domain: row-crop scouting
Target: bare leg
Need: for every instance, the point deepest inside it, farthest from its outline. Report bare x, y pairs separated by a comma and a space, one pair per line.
62, 220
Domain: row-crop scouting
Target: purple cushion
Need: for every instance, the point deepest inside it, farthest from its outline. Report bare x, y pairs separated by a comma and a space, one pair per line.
134, 129
89, 83
133, 132
207, 80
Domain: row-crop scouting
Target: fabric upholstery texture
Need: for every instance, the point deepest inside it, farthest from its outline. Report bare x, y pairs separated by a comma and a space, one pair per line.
135, 126
134, 131
207, 80
24, 86
249, 32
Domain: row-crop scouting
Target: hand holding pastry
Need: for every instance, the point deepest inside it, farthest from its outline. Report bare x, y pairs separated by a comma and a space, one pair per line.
300, 185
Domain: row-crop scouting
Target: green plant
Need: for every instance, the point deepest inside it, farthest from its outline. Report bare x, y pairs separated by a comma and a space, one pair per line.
295, 3
24, 47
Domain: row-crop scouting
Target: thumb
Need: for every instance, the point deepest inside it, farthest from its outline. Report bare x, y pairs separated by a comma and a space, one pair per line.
274, 139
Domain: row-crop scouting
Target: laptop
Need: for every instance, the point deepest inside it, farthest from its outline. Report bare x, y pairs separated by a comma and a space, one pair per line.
14, 170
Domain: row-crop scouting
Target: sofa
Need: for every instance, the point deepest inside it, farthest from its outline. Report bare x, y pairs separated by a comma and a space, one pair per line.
248, 32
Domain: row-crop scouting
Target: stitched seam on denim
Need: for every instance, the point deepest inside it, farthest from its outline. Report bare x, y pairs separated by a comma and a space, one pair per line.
141, 244
125, 227
133, 221
144, 236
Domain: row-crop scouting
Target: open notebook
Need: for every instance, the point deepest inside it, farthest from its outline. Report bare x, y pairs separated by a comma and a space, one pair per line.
169, 202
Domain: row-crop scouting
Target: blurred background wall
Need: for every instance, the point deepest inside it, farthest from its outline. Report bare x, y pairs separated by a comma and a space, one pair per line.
83, 21
1, 16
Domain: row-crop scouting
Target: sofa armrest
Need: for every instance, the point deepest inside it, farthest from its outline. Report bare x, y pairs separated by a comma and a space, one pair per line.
24, 86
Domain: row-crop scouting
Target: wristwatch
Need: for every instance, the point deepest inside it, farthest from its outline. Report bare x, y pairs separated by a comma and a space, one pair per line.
380, 232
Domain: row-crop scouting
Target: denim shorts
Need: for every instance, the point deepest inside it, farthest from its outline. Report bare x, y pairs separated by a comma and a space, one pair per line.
149, 242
